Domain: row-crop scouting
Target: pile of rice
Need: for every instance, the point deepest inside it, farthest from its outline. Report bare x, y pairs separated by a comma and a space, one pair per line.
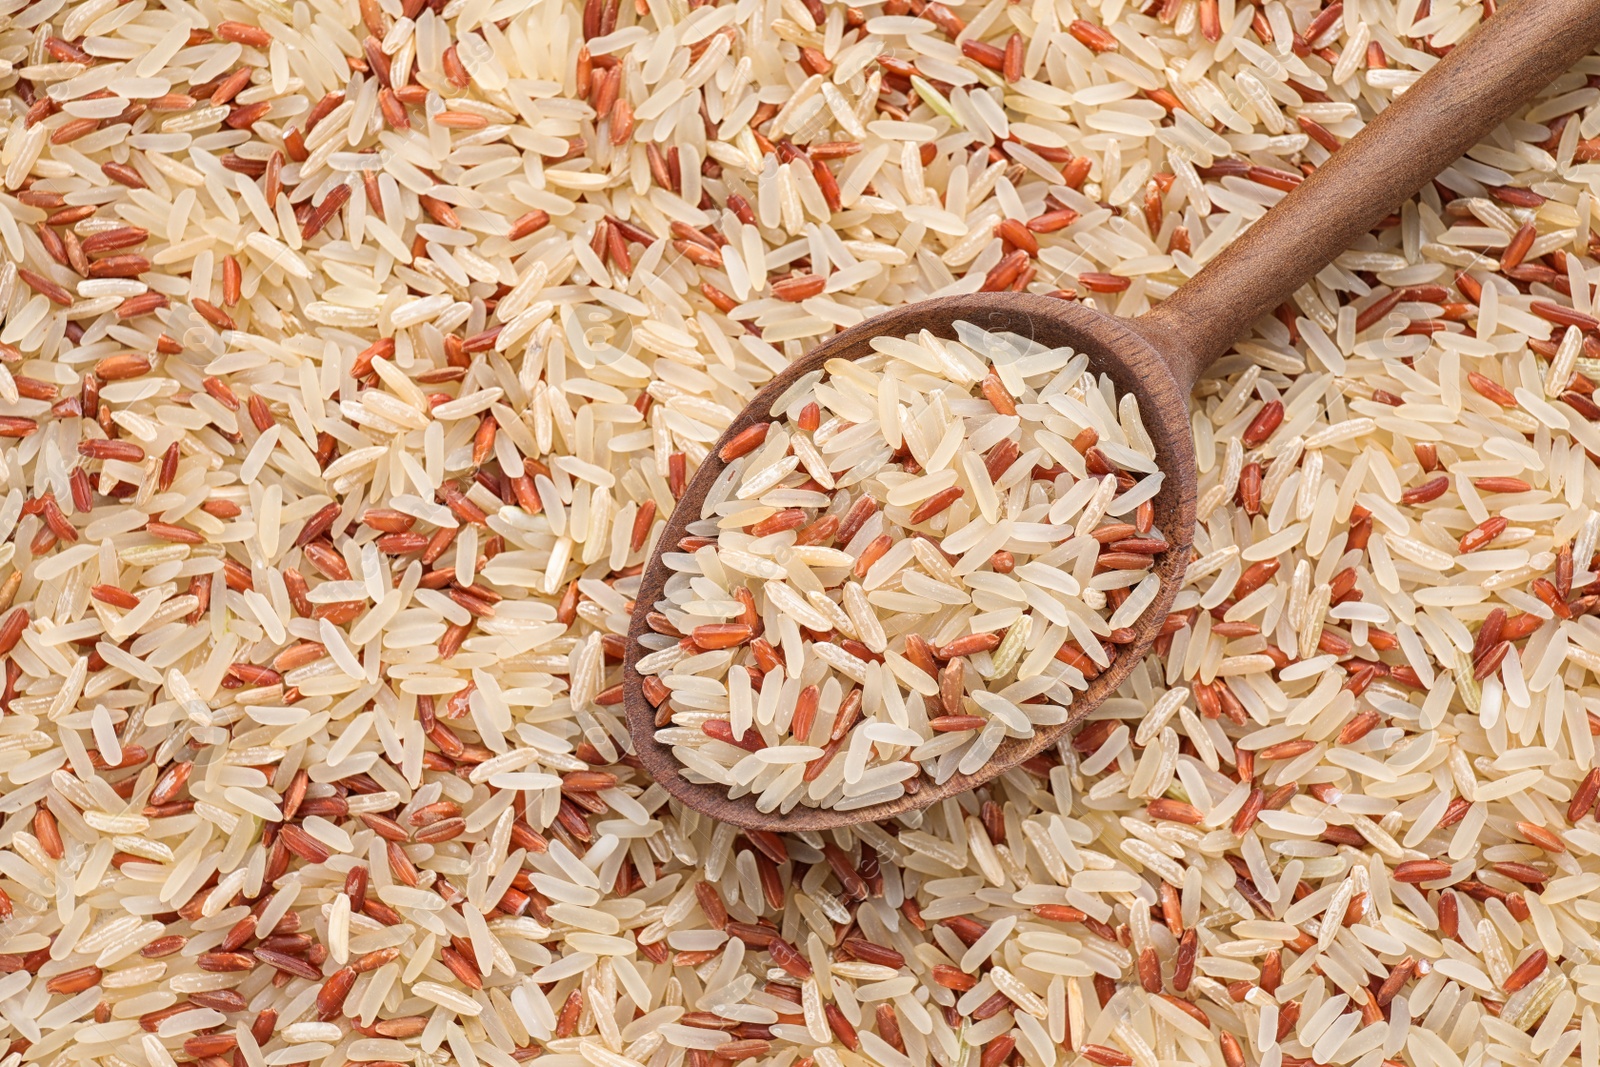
352, 354
980, 503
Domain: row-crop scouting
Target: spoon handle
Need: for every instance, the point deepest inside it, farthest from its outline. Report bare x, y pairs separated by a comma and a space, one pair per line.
1452, 107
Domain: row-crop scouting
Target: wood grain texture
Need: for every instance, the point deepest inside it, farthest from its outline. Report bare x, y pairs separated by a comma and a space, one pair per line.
1159, 357
1451, 108
1135, 367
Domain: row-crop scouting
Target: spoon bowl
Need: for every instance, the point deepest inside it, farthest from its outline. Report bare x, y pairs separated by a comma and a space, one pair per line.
1116, 348
1159, 356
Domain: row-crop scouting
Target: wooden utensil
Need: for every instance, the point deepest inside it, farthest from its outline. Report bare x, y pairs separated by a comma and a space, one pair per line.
1159, 356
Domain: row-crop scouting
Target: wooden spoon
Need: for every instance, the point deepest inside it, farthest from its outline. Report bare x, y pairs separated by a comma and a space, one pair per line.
1159, 356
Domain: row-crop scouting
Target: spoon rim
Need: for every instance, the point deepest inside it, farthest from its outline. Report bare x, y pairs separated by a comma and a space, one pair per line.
1115, 347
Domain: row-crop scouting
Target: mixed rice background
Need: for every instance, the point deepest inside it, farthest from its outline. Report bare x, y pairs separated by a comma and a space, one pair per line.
352, 354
